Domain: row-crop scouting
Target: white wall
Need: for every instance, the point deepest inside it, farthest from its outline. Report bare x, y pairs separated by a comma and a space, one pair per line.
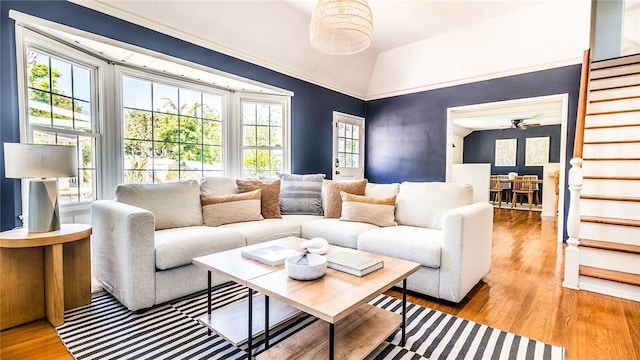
457, 146
548, 35
549, 189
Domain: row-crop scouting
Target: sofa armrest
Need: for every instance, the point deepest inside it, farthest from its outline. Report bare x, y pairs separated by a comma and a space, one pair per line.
466, 249
123, 252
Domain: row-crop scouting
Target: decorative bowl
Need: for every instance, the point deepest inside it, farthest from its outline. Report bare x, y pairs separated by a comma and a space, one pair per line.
306, 267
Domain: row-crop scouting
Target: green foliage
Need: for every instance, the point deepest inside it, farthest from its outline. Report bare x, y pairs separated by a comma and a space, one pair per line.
184, 139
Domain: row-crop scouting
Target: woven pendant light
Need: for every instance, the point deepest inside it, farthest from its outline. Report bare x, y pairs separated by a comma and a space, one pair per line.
341, 27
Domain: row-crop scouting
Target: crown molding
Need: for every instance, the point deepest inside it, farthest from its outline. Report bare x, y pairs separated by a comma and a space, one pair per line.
472, 79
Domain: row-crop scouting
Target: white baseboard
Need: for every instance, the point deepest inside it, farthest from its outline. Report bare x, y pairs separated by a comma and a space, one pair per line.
611, 288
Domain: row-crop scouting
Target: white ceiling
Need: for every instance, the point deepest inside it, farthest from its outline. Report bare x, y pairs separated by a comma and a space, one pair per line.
401, 22
275, 34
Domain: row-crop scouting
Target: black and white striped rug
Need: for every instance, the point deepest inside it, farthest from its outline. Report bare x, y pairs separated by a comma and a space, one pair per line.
105, 329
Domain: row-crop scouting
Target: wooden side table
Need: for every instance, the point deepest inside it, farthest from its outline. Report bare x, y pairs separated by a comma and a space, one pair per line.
44, 274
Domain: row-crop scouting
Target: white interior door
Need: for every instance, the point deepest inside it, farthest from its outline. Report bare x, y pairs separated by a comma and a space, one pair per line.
348, 147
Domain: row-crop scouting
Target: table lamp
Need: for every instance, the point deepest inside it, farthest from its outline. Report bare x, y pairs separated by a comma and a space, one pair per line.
40, 163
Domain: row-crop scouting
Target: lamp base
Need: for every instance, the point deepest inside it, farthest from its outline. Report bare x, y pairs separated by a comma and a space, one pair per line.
44, 213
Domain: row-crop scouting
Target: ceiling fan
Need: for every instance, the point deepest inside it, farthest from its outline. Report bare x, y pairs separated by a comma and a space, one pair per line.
520, 124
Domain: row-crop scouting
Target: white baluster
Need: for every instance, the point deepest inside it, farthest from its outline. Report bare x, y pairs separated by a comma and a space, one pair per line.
572, 253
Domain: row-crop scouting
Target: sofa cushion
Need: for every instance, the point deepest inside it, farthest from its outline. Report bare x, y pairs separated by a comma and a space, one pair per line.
381, 190
270, 201
174, 204
331, 195
176, 247
301, 194
424, 203
376, 211
226, 209
266, 230
404, 242
218, 185
336, 232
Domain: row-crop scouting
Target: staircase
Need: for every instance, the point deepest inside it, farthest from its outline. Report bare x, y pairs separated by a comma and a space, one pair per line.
604, 214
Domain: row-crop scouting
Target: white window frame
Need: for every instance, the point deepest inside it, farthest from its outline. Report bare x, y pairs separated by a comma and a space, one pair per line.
121, 71
26, 38
285, 101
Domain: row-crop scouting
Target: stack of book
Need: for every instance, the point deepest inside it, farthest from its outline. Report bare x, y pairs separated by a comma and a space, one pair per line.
271, 255
353, 263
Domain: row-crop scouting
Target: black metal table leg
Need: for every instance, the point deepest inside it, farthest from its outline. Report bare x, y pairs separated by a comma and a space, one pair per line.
209, 300
250, 326
404, 312
266, 322
331, 340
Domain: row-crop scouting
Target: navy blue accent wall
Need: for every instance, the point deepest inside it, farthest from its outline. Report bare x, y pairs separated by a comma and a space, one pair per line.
311, 108
480, 146
406, 135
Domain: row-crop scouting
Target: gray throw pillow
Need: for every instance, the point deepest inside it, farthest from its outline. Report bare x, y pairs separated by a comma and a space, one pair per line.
301, 194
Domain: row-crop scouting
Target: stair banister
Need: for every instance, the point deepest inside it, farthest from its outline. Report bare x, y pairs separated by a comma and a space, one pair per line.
572, 253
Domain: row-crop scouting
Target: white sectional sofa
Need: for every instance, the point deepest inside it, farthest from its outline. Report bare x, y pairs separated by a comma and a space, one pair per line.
143, 241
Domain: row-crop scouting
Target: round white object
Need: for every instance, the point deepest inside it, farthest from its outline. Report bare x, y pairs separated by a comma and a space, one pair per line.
306, 267
315, 246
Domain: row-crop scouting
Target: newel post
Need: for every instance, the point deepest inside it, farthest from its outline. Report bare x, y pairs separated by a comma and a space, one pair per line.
572, 253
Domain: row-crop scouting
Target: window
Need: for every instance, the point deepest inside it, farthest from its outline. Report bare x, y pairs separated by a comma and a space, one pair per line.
152, 119
171, 131
263, 134
62, 109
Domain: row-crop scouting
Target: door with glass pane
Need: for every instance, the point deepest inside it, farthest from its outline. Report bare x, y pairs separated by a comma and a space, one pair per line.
348, 147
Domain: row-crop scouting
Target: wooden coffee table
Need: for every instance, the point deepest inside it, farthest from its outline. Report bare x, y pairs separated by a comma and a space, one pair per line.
355, 328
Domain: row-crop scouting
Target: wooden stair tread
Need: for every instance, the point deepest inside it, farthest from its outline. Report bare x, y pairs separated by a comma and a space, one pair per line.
612, 275
611, 126
612, 142
610, 198
610, 221
612, 88
631, 178
612, 112
612, 159
615, 62
614, 99
607, 245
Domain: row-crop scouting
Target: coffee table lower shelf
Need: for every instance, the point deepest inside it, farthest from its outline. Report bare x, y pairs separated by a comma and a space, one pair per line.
356, 336
231, 321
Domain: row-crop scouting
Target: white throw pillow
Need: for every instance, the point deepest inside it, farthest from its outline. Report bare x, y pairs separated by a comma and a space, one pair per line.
173, 204
218, 185
381, 190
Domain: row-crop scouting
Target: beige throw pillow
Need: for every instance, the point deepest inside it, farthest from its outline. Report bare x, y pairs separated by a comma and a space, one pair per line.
270, 195
376, 211
227, 209
331, 193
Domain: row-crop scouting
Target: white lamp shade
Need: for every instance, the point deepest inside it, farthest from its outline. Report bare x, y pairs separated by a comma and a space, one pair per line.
23, 161
341, 27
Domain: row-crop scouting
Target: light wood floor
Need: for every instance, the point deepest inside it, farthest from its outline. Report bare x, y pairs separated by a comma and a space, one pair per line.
523, 294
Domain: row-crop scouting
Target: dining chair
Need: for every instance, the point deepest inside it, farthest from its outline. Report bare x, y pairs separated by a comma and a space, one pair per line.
506, 187
522, 186
495, 188
535, 187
